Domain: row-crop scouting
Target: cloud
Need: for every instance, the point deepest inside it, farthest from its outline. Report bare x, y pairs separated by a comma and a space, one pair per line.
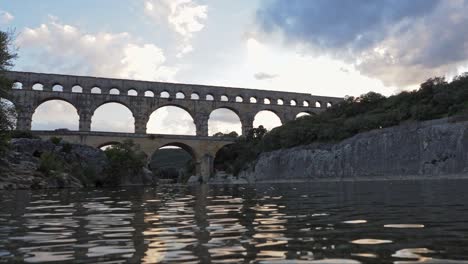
184, 17
399, 42
61, 48
5, 17
264, 76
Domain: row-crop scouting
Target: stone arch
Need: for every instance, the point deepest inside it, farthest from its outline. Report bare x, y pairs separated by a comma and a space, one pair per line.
195, 96
171, 119
132, 92
57, 88
164, 94
253, 100
209, 97
305, 103
268, 119
239, 99
149, 93
224, 120
329, 104
108, 144
318, 104
280, 102
302, 114
38, 86
77, 89
55, 113
96, 90
114, 91
17, 85
267, 101
180, 95
293, 102
182, 162
113, 116
224, 98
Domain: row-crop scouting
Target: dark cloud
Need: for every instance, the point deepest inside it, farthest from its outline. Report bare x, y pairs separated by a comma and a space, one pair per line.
355, 24
399, 42
264, 76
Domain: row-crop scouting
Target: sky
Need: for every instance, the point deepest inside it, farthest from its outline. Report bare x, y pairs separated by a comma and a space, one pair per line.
322, 47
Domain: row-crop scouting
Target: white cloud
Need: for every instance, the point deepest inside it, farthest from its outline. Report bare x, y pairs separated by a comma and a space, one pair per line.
5, 17
61, 48
185, 17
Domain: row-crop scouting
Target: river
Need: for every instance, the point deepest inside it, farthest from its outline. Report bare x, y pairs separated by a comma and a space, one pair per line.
347, 222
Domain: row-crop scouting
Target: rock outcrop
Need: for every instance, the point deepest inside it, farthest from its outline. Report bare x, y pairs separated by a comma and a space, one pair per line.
429, 149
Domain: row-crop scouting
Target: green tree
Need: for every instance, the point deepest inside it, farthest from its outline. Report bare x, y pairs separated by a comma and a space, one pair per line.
7, 55
124, 159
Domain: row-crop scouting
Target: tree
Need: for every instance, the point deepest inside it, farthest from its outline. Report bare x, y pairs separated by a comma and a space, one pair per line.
124, 159
7, 55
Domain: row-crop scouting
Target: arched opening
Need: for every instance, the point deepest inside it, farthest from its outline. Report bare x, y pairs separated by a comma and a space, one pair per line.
209, 97
96, 90
293, 103
164, 94
171, 120
302, 114
329, 105
173, 163
149, 94
224, 98
10, 117
305, 103
113, 117
55, 114
280, 102
77, 89
195, 96
108, 145
266, 101
17, 86
180, 95
318, 104
224, 122
38, 87
268, 119
253, 100
57, 88
239, 99
132, 92
114, 91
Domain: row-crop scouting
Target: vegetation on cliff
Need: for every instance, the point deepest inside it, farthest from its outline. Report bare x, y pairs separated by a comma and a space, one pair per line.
436, 98
7, 113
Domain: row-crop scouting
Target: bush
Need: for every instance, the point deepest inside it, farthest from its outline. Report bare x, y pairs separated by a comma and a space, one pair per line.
56, 140
50, 164
124, 159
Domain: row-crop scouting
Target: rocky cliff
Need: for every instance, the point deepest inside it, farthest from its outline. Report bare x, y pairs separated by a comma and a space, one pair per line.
428, 149
35, 163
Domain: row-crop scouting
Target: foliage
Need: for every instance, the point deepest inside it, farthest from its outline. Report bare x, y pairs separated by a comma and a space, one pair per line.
7, 55
232, 134
67, 147
436, 98
50, 164
22, 134
56, 140
124, 159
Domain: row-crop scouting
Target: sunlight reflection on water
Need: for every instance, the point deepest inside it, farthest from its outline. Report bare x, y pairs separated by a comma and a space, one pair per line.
387, 222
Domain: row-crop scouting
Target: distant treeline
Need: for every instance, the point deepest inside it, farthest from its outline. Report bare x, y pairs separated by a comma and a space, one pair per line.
436, 98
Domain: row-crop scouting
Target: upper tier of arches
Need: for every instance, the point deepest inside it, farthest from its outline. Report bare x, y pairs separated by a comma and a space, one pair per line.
117, 87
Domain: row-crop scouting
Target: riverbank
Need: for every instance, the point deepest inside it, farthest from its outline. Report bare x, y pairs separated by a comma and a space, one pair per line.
420, 150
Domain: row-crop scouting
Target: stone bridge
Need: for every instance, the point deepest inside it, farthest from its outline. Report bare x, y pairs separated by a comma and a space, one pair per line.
142, 98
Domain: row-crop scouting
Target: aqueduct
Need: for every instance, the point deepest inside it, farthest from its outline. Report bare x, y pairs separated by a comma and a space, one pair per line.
142, 98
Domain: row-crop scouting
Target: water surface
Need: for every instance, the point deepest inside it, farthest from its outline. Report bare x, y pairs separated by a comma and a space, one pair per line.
362, 222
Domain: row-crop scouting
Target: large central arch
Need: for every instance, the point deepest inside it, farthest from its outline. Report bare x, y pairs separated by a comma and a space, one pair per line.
173, 162
224, 120
113, 117
171, 119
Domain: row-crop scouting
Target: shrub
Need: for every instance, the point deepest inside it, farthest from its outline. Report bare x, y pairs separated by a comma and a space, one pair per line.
56, 140
50, 164
124, 159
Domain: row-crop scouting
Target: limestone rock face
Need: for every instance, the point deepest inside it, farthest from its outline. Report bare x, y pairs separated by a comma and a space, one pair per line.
19, 168
428, 149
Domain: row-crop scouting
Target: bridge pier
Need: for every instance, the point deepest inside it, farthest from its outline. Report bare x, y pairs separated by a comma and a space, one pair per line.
247, 124
201, 124
24, 119
85, 121
140, 124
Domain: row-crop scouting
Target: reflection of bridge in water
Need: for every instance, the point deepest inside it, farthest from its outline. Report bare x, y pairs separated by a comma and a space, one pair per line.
86, 94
